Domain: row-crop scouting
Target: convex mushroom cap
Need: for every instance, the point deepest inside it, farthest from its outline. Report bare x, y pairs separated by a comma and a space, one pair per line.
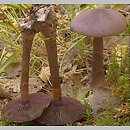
70, 111
99, 22
28, 109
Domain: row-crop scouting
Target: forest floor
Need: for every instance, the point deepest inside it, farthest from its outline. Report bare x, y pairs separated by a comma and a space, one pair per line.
75, 78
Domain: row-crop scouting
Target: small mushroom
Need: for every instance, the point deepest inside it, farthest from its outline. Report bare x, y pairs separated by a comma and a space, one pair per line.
62, 109
29, 107
99, 23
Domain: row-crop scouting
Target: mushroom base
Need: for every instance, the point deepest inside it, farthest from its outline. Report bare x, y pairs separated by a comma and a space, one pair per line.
70, 111
100, 100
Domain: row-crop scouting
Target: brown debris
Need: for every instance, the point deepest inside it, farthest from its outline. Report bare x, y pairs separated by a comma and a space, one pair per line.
3, 92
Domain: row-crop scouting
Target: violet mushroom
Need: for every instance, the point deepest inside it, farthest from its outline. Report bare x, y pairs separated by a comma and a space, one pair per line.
62, 109
99, 23
30, 106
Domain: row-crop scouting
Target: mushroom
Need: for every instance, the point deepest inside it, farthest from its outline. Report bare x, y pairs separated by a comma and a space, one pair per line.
29, 106
62, 109
99, 23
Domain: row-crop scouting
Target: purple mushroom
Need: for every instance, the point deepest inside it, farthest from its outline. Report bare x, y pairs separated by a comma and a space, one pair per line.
99, 23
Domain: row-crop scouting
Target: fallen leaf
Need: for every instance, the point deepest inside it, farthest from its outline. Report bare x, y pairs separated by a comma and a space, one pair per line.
3, 92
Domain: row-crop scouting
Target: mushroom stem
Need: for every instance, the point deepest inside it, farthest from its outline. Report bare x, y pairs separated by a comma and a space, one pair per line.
98, 78
54, 69
27, 38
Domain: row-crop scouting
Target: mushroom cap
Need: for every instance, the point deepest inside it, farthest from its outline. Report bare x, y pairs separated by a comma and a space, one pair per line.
70, 111
19, 111
99, 22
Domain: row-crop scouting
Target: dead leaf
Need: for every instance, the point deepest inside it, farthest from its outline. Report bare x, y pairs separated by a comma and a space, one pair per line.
45, 74
13, 69
3, 92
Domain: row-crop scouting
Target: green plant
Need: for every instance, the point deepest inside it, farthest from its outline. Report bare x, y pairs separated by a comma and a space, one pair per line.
10, 37
105, 121
118, 73
4, 121
88, 115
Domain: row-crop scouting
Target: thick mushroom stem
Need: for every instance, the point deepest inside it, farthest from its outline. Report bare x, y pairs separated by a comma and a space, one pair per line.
27, 37
54, 69
98, 78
